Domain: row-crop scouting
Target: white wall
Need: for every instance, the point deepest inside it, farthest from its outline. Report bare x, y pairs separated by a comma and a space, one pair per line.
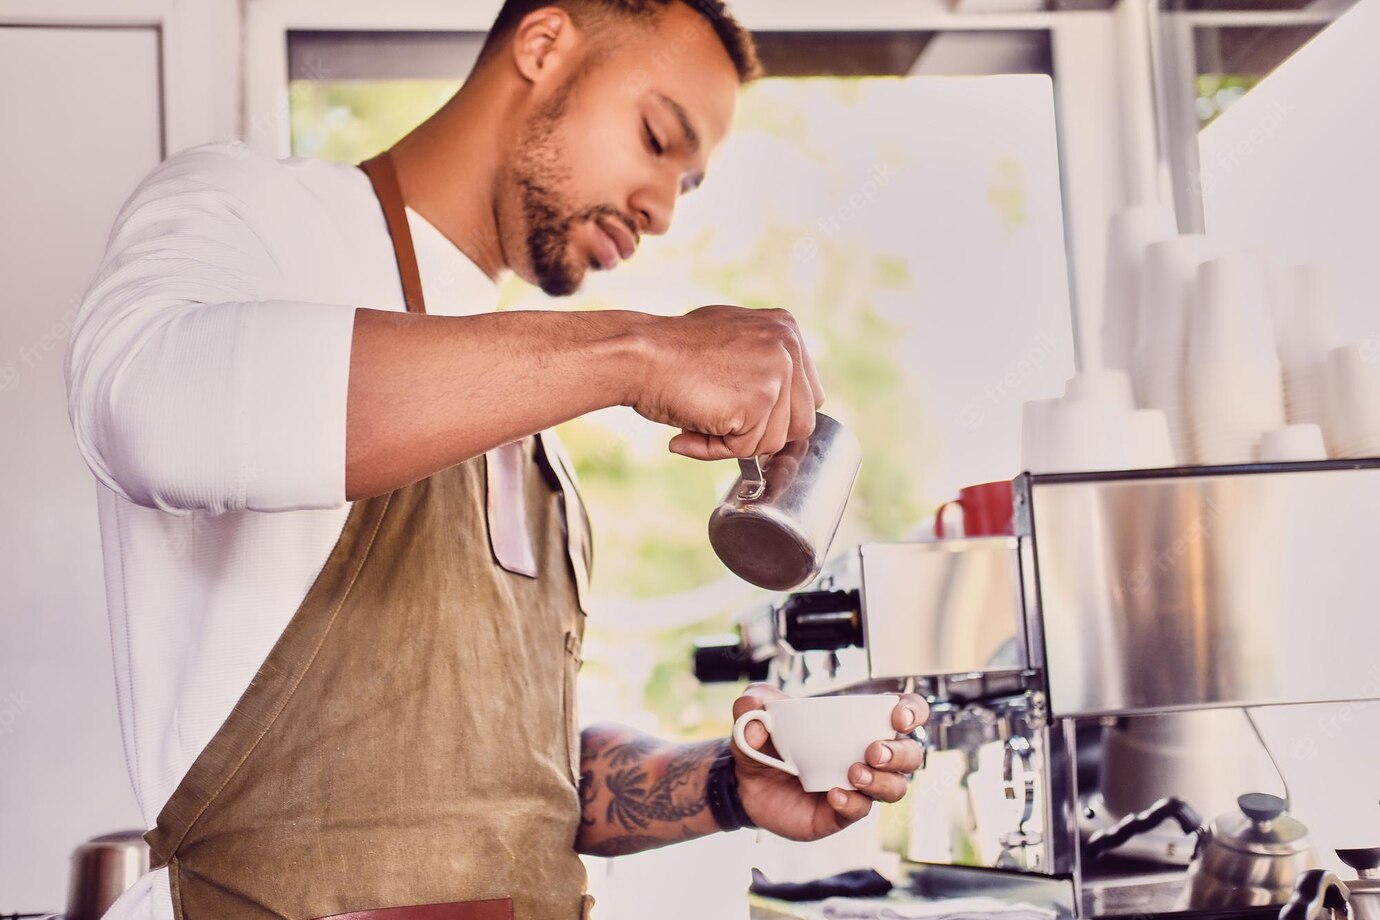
92, 93
82, 122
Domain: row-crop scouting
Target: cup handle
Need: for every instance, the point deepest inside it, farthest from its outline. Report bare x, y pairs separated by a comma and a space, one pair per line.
740, 739
754, 478
939, 519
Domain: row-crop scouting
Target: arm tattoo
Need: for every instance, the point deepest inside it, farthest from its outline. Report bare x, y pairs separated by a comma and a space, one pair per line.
637, 793
636, 801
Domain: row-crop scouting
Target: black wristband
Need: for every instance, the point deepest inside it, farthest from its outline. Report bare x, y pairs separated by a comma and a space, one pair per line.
721, 792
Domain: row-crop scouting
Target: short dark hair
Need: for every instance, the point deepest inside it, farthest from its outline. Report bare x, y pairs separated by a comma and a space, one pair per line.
737, 41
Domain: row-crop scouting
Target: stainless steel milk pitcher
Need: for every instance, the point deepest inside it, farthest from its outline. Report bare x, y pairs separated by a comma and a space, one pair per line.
774, 526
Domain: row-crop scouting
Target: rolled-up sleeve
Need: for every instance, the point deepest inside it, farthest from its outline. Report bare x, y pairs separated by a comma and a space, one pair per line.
191, 387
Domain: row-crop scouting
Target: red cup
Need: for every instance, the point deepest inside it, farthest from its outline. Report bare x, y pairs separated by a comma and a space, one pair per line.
987, 510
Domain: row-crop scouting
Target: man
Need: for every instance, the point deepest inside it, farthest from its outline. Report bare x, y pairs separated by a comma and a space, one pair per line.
346, 563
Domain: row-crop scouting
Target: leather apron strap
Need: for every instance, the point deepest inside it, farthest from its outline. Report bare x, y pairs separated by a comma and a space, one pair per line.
506, 504
384, 177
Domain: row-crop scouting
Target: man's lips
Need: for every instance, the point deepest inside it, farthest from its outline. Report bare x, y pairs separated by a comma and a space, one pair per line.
624, 240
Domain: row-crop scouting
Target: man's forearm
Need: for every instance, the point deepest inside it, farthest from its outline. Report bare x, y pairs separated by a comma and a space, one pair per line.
428, 392
638, 792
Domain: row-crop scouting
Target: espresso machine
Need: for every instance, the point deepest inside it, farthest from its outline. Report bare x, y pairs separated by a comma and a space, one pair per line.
1087, 672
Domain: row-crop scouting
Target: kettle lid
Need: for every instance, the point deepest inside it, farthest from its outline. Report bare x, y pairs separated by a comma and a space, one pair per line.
1261, 827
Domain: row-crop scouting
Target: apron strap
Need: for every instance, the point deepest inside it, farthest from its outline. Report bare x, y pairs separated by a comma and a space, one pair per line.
507, 496
384, 177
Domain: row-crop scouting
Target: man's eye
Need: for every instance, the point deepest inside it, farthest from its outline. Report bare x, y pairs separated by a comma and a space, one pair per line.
651, 138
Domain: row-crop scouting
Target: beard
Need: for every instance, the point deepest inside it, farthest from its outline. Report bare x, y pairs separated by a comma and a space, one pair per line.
549, 215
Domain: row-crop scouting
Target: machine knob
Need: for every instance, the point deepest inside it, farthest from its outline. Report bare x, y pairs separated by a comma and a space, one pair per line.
722, 661
822, 620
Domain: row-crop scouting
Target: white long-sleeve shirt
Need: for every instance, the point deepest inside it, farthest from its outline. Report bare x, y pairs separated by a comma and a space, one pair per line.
207, 383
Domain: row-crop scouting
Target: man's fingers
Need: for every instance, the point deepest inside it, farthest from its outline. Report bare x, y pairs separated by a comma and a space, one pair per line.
755, 696
699, 446
811, 373
910, 713
803, 402
778, 428
850, 806
875, 784
895, 756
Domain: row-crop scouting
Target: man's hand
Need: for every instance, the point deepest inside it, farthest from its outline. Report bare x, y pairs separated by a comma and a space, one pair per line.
737, 382
774, 799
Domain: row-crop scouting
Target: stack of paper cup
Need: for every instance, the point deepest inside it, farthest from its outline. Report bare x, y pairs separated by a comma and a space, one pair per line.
1354, 387
1307, 329
1037, 417
1292, 443
1129, 232
1094, 426
1109, 388
1151, 446
1233, 379
1168, 277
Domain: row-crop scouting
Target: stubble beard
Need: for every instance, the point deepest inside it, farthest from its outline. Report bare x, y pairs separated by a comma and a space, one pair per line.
540, 173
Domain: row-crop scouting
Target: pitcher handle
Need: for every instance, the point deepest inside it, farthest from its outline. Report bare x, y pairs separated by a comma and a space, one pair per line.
754, 478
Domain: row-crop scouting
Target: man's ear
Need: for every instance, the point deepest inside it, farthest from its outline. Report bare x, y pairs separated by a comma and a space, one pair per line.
541, 40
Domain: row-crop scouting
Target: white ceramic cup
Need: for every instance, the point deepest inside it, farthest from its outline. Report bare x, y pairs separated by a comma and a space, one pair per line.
1292, 443
819, 738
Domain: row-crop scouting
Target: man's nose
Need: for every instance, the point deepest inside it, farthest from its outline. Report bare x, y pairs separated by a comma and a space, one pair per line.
654, 208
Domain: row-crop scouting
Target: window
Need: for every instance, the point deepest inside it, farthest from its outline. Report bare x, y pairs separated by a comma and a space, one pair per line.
878, 206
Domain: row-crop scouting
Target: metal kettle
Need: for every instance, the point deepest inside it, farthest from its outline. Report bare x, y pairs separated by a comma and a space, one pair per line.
774, 527
102, 868
1251, 857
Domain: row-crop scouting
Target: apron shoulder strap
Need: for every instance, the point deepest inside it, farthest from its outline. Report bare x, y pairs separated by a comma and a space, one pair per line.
384, 177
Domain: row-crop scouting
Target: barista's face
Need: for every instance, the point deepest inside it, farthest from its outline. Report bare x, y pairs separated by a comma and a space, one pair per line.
620, 125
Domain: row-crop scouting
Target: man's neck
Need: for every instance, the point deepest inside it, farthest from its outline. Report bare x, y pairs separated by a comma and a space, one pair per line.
448, 166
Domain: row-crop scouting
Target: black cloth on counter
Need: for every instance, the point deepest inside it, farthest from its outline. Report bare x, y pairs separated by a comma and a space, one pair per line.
860, 883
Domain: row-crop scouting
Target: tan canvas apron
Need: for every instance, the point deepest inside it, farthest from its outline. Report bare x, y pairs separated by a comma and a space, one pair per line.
411, 738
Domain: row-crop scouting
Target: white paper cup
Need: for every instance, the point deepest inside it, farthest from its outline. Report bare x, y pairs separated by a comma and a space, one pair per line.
1168, 277
1307, 322
1036, 431
1151, 447
1108, 387
1086, 437
1232, 318
1354, 388
1231, 404
1129, 232
1292, 443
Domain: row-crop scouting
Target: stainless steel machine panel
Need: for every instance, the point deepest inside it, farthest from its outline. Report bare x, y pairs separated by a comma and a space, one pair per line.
1208, 587
940, 608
